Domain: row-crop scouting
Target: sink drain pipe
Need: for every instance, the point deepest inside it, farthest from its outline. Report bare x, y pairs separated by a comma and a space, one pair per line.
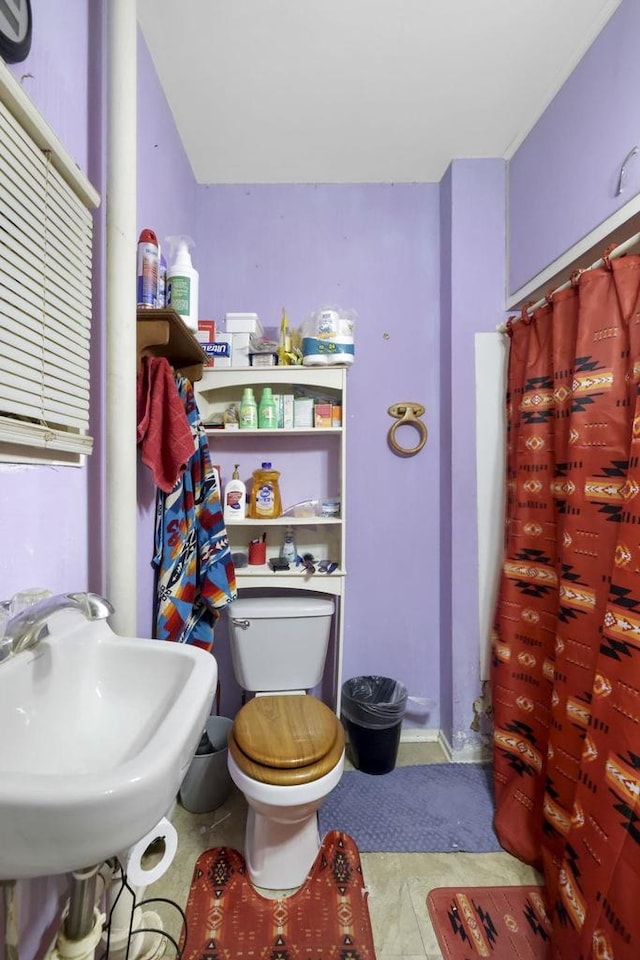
82, 921
131, 932
8, 888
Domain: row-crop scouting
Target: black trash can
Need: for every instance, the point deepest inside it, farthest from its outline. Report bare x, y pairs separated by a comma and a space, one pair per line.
372, 710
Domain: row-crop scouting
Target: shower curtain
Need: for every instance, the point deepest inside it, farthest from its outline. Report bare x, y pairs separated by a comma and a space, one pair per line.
566, 648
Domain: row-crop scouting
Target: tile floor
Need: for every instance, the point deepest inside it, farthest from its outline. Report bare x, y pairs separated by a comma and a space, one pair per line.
398, 883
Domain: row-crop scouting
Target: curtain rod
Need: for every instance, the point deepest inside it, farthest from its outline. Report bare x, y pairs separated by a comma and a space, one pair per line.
618, 251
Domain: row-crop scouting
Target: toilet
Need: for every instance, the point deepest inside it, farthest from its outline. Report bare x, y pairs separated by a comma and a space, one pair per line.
286, 747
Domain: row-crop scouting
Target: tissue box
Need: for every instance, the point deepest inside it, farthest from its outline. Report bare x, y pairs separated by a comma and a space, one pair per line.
243, 323
263, 359
303, 412
221, 350
240, 349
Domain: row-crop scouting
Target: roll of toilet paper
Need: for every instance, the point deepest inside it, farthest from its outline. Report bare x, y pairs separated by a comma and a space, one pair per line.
150, 858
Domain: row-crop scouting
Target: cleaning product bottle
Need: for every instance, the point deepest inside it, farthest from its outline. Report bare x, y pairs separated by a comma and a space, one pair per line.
288, 549
182, 281
284, 346
267, 411
235, 497
147, 269
248, 410
265, 503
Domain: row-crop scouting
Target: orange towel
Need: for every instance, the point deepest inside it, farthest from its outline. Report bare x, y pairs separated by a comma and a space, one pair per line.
163, 431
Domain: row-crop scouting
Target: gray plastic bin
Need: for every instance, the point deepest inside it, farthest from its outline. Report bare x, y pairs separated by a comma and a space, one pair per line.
208, 783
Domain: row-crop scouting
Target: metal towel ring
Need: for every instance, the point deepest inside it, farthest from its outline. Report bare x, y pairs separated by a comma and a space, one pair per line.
407, 412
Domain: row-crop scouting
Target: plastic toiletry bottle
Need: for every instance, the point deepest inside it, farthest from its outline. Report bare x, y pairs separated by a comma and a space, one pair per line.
162, 280
265, 502
288, 550
147, 269
183, 281
235, 498
267, 411
248, 410
285, 353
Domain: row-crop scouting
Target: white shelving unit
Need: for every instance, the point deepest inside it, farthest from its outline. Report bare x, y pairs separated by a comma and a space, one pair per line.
323, 537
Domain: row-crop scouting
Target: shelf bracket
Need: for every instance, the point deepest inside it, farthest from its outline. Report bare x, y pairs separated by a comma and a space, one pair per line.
163, 333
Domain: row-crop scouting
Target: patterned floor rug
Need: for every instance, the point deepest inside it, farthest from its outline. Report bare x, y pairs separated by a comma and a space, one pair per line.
501, 923
430, 808
326, 919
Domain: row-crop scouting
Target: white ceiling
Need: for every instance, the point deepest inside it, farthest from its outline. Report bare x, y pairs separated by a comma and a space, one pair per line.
359, 91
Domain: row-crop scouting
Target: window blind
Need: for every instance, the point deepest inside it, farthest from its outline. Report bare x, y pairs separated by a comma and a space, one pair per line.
45, 298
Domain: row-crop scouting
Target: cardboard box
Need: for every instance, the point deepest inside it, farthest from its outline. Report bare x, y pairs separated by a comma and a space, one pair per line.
303, 412
279, 402
263, 359
322, 415
287, 411
206, 336
243, 323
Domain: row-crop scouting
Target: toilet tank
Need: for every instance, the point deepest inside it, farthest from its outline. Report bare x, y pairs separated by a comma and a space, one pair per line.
279, 643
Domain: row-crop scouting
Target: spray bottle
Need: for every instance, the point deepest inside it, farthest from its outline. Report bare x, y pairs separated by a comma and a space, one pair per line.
147, 269
182, 281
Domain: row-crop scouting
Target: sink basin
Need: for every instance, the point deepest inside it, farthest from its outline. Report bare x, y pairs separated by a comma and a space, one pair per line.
98, 732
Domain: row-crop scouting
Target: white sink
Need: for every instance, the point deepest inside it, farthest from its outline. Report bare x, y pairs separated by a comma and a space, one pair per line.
96, 734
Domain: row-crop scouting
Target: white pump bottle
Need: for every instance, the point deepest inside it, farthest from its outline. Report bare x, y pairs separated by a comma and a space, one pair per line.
183, 281
235, 498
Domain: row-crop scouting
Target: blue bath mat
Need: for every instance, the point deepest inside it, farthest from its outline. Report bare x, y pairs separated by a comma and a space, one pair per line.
432, 808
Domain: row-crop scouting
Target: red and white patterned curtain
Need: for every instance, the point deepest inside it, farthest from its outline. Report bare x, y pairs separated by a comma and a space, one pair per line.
566, 650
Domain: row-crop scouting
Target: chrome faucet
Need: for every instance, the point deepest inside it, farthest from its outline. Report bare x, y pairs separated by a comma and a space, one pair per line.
27, 629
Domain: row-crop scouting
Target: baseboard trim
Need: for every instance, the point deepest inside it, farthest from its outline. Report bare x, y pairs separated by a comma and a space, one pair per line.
419, 736
474, 752
445, 746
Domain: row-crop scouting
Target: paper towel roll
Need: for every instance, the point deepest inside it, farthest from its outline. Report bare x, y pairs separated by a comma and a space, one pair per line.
140, 862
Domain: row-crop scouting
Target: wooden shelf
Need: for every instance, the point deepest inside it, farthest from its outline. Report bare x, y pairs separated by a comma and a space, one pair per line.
163, 333
284, 520
276, 432
263, 577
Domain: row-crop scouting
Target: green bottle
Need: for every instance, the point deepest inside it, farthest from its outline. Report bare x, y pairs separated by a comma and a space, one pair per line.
267, 411
248, 411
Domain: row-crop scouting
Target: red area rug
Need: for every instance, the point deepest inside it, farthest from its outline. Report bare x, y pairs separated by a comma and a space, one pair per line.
327, 918
503, 923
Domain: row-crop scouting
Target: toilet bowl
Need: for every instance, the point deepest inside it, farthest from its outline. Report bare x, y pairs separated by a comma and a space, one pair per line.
286, 747
284, 787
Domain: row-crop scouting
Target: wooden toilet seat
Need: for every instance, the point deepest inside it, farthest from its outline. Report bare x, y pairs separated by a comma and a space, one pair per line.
286, 740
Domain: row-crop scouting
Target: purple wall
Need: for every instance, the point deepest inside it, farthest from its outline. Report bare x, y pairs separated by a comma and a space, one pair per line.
44, 510
563, 179
37, 502
167, 204
374, 248
475, 259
